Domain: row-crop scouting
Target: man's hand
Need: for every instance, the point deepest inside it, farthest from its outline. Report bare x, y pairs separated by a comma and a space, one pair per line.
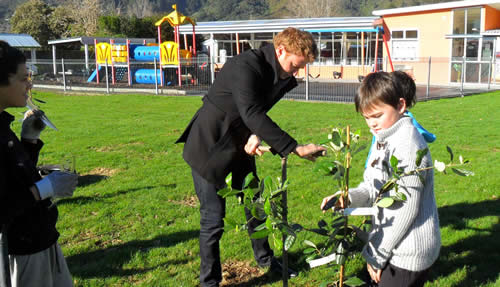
374, 273
252, 145
310, 151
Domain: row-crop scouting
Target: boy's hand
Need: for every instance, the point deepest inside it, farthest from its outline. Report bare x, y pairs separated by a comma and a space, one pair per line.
330, 201
374, 273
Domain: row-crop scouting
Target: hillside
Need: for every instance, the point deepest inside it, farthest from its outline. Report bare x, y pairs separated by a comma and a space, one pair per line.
212, 10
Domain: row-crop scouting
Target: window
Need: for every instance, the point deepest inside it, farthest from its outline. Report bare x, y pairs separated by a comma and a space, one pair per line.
473, 21
467, 21
405, 45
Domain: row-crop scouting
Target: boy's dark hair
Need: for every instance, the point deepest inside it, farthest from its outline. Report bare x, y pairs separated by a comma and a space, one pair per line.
407, 86
379, 87
10, 58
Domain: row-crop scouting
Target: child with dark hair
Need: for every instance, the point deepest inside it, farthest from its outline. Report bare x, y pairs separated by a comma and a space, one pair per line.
408, 91
27, 216
405, 239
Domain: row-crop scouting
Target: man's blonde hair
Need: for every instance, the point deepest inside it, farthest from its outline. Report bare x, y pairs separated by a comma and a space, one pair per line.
295, 41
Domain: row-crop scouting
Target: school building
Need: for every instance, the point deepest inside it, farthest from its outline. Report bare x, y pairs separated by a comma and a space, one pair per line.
440, 44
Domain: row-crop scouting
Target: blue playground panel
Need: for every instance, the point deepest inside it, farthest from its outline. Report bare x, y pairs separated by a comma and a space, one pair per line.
147, 76
146, 53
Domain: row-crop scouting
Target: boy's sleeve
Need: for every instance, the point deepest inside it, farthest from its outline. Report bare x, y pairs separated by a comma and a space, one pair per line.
361, 196
398, 218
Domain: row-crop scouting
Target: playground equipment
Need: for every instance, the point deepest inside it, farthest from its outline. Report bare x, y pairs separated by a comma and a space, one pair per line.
118, 57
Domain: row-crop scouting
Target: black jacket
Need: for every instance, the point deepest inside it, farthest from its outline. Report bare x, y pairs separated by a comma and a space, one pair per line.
236, 106
31, 224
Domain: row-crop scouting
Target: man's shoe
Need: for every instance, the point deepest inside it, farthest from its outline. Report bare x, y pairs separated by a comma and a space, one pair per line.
277, 267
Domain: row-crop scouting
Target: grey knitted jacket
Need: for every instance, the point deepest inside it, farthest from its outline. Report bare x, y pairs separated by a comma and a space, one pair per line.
405, 234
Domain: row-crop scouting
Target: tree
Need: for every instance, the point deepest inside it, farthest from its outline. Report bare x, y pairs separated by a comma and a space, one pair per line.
315, 8
32, 18
60, 22
85, 15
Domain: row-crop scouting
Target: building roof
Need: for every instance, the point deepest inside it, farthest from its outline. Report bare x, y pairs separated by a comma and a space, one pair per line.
90, 40
20, 40
331, 24
438, 6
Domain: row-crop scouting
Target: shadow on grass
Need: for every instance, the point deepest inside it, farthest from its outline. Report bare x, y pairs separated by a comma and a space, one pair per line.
109, 261
86, 199
88, 179
479, 252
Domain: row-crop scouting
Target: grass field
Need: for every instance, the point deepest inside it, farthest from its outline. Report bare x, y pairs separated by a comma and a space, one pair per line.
134, 220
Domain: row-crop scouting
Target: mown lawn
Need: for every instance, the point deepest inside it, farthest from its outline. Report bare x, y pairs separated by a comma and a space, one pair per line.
134, 220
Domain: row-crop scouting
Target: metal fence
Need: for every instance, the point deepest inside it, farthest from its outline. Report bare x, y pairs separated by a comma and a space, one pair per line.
321, 81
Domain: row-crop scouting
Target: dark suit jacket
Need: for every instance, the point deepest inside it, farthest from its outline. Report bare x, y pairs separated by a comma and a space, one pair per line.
236, 106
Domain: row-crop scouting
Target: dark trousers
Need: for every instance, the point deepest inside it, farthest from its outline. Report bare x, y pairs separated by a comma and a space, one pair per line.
212, 212
393, 276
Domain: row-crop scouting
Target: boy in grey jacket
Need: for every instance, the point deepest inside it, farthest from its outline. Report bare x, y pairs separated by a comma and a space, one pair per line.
405, 239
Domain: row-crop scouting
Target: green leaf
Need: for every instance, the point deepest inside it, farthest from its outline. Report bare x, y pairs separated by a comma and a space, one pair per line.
309, 243
278, 243
248, 180
260, 234
267, 206
309, 250
223, 192
450, 152
354, 282
420, 155
229, 179
260, 227
462, 172
394, 163
289, 241
269, 223
325, 166
326, 283
312, 257
336, 140
388, 185
268, 183
385, 202
399, 196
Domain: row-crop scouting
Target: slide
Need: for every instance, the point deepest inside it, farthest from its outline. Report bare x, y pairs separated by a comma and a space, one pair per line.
94, 74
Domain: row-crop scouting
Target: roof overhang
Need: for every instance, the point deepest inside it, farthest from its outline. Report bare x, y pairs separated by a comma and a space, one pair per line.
438, 6
90, 40
277, 25
20, 40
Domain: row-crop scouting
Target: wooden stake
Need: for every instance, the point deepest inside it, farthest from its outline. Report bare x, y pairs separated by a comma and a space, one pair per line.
345, 194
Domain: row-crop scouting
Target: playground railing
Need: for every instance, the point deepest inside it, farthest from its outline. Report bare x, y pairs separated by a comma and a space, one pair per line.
334, 80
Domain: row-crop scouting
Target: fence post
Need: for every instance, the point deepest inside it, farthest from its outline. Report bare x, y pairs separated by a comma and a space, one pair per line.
428, 80
107, 78
489, 73
307, 81
156, 78
462, 77
63, 74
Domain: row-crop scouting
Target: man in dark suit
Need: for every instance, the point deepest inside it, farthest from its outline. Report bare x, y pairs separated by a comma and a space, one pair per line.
225, 134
